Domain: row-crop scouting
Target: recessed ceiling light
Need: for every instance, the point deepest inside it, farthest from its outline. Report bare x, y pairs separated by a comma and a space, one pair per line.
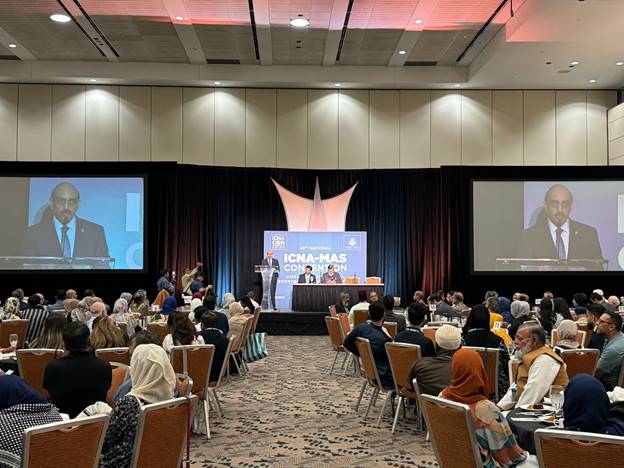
299, 22
12, 46
574, 63
217, 82
457, 85
60, 18
179, 18
619, 64
337, 85
92, 80
418, 21
402, 52
593, 80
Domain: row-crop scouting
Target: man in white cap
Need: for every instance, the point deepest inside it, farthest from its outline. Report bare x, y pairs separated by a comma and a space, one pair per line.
597, 297
434, 373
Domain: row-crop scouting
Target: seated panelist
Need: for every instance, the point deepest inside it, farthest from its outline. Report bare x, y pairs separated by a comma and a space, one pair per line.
307, 277
331, 276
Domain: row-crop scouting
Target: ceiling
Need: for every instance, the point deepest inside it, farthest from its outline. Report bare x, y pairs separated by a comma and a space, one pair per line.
473, 43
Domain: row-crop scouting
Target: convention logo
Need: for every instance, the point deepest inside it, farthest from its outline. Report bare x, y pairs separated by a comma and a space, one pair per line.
352, 242
316, 215
278, 242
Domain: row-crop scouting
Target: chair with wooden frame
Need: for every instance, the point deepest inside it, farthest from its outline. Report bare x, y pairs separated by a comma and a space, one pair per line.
372, 376
336, 338
352, 280
373, 280
239, 345
114, 355
359, 316
256, 319
225, 367
196, 362
332, 311
580, 337
391, 328
162, 432
73, 443
32, 363
430, 332
160, 329
452, 432
344, 324
562, 449
120, 374
8, 327
512, 369
580, 361
490, 358
402, 357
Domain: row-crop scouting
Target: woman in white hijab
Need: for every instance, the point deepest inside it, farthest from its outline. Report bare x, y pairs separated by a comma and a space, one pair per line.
567, 331
228, 299
195, 303
153, 381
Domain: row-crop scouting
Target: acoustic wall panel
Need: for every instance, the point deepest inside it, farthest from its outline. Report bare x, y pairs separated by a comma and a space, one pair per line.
292, 128
353, 129
198, 126
539, 128
230, 127
445, 128
571, 118
34, 123
8, 122
167, 124
384, 129
322, 129
415, 129
476, 128
261, 128
507, 128
135, 123
102, 123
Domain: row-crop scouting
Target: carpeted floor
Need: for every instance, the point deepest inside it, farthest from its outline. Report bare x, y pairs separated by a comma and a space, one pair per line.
290, 412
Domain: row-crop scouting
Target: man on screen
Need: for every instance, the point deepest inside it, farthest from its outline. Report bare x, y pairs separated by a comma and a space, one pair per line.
307, 277
556, 235
61, 233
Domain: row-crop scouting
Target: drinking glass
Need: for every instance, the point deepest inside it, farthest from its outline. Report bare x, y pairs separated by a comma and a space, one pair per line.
13, 339
556, 397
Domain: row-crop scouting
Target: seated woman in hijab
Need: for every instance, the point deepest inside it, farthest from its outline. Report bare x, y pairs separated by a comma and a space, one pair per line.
228, 298
153, 381
247, 304
20, 408
497, 443
140, 304
168, 309
567, 331
238, 318
586, 408
121, 313
11, 308
520, 311
477, 333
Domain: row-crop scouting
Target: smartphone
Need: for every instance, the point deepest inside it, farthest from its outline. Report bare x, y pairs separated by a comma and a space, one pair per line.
537, 301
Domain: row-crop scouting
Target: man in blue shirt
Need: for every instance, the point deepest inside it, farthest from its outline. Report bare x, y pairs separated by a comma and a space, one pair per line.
164, 283
373, 332
610, 363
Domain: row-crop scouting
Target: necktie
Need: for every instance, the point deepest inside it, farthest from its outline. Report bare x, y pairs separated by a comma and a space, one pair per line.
65, 241
560, 247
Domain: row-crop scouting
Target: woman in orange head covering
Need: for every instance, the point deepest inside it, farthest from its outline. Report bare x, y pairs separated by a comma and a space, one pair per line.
469, 384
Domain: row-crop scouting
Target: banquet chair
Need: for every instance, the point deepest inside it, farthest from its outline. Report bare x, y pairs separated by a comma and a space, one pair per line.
9, 327
336, 338
185, 385
563, 449
238, 347
196, 362
352, 280
72, 444
359, 316
490, 359
373, 280
160, 329
332, 311
344, 324
580, 361
391, 328
402, 357
114, 355
512, 368
32, 363
580, 338
256, 319
452, 433
162, 432
372, 376
120, 373
430, 332
588, 333
215, 384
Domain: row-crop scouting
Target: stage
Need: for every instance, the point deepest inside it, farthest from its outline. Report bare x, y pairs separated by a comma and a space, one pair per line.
293, 323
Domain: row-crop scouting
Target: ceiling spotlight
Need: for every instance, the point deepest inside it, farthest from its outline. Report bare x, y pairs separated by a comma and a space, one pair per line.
179, 18
593, 80
300, 22
217, 82
60, 18
92, 80
337, 85
12, 46
418, 21
574, 63
402, 52
619, 64
457, 85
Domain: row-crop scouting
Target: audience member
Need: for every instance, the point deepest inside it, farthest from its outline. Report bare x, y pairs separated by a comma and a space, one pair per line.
373, 332
416, 313
477, 333
89, 293
458, 303
82, 313
610, 363
228, 298
373, 297
593, 314
597, 297
442, 308
586, 408
419, 297
188, 277
169, 306
361, 305
579, 302
98, 309
154, 381
20, 408
183, 332
468, 385
214, 336
222, 319
106, 334
561, 310
567, 331
68, 306
52, 334
246, 303
79, 379
122, 314
36, 314
520, 311
434, 373
139, 303
58, 304
165, 283
541, 367
71, 294
19, 295
493, 306
546, 316
505, 309
252, 297
390, 316
614, 301
343, 306
238, 319
195, 303
11, 309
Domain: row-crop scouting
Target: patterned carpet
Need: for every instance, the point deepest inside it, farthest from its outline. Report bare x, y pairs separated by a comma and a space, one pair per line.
290, 412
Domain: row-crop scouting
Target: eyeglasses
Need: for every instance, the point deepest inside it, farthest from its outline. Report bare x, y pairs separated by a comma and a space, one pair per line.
604, 321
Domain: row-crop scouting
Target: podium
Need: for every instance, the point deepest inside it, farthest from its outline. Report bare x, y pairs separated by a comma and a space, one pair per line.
550, 264
267, 276
56, 263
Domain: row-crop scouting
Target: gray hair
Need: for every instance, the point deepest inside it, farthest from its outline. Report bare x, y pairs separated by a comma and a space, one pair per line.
535, 331
120, 307
520, 309
127, 296
228, 298
493, 303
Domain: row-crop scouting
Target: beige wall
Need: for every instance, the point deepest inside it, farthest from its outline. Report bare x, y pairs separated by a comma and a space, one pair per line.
616, 135
299, 128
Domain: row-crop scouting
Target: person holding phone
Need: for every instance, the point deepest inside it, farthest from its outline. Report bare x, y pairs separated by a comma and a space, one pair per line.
166, 282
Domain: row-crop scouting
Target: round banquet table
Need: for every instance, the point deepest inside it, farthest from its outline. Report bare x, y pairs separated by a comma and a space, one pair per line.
524, 430
317, 297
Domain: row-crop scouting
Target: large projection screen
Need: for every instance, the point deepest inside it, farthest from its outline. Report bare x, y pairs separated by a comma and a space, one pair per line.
72, 223
542, 226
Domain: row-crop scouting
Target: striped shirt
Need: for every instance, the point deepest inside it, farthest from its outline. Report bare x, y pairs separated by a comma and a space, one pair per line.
37, 318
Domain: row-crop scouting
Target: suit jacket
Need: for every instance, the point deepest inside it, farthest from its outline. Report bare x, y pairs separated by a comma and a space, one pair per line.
275, 265
536, 242
342, 308
302, 278
41, 240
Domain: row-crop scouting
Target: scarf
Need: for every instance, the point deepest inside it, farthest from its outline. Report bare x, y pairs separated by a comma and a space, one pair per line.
70, 304
520, 308
153, 378
82, 313
14, 391
169, 306
228, 298
236, 309
586, 405
468, 378
195, 303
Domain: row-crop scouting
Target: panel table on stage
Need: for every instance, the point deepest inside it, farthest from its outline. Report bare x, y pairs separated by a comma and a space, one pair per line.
317, 297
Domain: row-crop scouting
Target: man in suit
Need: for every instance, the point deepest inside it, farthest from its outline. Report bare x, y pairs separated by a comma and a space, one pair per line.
307, 277
273, 263
555, 235
343, 306
61, 233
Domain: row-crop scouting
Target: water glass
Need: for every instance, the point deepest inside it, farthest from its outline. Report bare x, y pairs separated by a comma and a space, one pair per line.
556, 397
13, 340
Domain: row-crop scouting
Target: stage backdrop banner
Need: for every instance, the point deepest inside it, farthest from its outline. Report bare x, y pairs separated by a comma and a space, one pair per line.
346, 251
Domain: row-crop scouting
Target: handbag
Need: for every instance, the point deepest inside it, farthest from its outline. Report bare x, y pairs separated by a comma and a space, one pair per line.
255, 347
